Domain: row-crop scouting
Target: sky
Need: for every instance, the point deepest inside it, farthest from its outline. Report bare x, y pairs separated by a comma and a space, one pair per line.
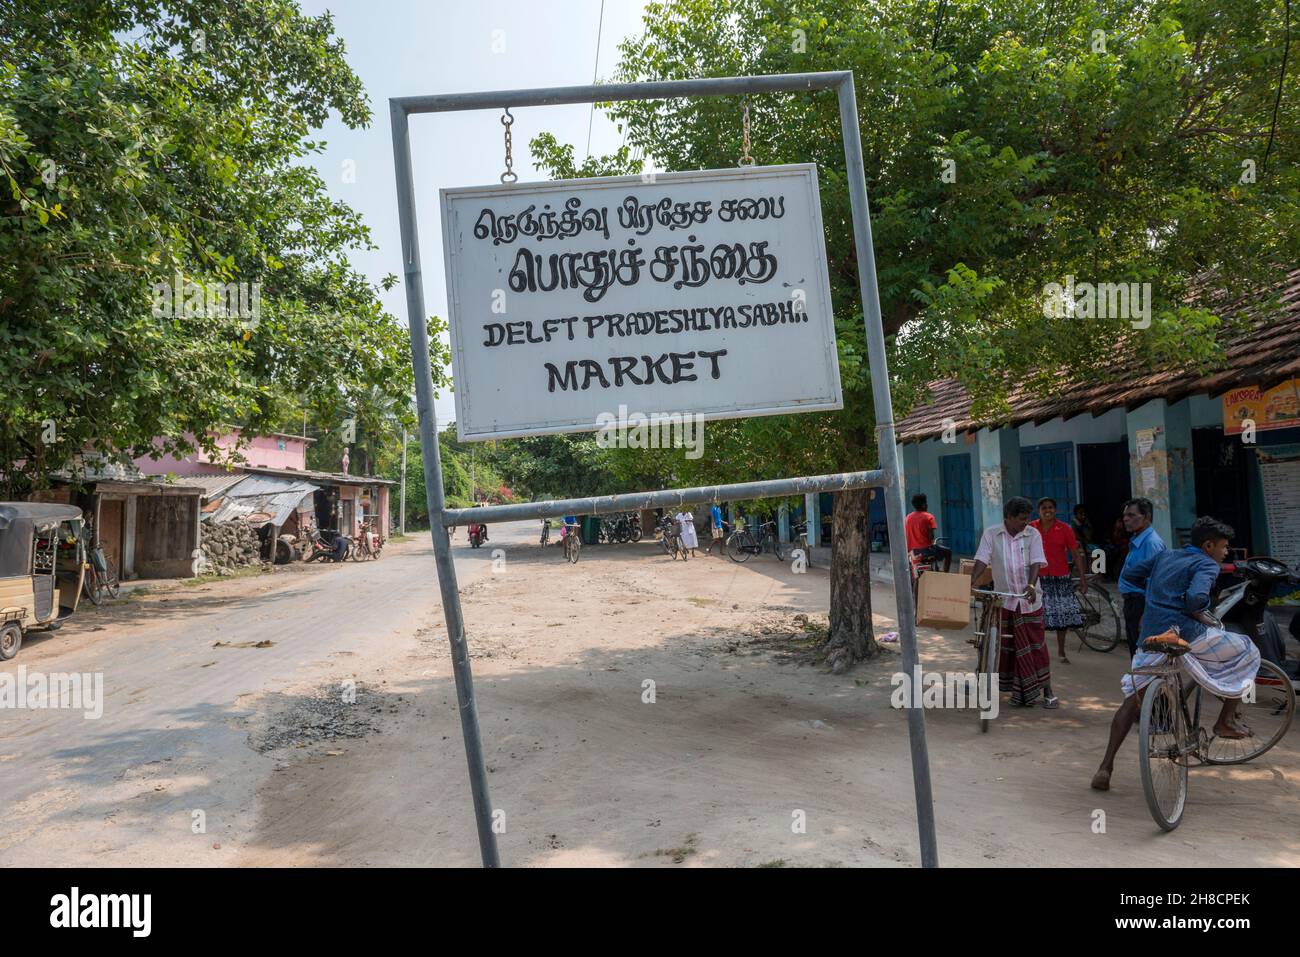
416, 47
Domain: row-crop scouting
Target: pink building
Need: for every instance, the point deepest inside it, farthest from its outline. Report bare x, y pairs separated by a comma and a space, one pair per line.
275, 451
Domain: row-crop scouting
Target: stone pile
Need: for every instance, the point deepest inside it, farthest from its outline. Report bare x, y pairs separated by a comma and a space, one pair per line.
229, 545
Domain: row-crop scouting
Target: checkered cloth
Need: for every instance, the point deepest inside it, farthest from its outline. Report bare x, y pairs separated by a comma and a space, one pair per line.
1223, 662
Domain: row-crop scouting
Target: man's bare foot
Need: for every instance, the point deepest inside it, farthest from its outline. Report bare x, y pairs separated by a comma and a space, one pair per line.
1101, 781
1229, 732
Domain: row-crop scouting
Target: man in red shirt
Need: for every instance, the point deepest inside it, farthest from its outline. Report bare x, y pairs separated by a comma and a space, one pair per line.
920, 527
1060, 606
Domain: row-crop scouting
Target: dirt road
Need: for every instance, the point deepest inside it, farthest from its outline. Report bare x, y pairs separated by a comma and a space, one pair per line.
739, 756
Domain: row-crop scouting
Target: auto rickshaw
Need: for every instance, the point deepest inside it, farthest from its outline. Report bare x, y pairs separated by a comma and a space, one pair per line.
42, 563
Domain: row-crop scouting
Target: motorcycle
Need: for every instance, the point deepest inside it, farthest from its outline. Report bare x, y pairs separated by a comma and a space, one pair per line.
1243, 606
477, 534
368, 545
327, 545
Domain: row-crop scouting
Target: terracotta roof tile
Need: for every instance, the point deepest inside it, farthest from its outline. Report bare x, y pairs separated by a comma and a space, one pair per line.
1263, 354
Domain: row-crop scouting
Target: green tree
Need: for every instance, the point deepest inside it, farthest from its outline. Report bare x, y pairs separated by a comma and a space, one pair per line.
1007, 146
153, 156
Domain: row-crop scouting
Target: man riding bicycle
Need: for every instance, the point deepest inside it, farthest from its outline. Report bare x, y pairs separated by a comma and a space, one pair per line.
1177, 585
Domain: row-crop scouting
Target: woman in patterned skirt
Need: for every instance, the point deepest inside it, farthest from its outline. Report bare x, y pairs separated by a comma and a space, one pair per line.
1060, 605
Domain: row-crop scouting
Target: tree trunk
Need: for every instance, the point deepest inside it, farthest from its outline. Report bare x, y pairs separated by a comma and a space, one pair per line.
851, 638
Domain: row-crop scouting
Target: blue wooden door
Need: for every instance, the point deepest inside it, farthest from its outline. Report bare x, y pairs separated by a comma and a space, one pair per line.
1047, 471
957, 505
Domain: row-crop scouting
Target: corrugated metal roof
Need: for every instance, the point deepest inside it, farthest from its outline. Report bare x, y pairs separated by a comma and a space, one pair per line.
259, 499
213, 485
1263, 352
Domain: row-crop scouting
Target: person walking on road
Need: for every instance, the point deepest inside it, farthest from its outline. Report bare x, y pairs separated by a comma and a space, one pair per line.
1060, 606
686, 528
717, 529
1013, 550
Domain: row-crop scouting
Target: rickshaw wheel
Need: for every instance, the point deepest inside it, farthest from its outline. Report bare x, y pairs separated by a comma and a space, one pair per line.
11, 639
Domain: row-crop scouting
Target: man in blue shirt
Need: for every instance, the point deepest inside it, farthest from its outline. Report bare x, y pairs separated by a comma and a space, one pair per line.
715, 523
1178, 585
1143, 544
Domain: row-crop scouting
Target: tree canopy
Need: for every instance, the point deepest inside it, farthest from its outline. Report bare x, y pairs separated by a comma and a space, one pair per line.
169, 262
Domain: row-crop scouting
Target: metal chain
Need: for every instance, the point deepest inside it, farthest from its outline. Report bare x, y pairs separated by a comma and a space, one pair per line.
745, 158
509, 175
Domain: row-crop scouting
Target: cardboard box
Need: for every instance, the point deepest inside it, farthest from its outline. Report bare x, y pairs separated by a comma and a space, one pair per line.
966, 566
943, 600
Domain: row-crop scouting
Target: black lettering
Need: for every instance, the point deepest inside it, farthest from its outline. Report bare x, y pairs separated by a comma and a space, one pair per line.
623, 366
567, 381
680, 367
713, 360
590, 368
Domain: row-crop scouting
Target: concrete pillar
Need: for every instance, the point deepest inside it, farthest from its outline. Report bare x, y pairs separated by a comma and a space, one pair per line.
783, 522
1160, 461
999, 468
128, 536
812, 509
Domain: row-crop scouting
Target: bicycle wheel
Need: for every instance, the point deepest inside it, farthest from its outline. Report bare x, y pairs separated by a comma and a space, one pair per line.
776, 548
738, 547
1101, 629
1268, 718
110, 582
575, 546
988, 668
90, 586
635, 534
1161, 734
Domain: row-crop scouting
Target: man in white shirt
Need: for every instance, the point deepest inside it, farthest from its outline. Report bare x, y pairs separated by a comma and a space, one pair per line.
1013, 549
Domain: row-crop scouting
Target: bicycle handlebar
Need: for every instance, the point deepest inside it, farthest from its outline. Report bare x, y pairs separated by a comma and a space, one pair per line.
999, 594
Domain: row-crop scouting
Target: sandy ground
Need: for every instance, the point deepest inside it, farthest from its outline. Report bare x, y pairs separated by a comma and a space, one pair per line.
738, 746
743, 758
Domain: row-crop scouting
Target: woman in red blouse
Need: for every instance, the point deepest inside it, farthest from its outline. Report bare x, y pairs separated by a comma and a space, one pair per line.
1060, 606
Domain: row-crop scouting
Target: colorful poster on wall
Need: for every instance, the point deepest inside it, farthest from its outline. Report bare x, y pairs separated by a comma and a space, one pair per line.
1275, 408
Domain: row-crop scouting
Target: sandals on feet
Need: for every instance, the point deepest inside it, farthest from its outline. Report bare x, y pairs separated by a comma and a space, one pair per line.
1051, 702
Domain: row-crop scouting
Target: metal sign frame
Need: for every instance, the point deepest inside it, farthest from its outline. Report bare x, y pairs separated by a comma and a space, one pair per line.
887, 477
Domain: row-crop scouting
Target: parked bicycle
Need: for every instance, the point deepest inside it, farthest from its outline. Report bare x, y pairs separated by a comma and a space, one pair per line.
672, 538
743, 543
101, 580
546, 532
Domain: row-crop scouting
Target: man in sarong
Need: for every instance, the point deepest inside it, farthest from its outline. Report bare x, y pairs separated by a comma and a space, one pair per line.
1013, 549
1177, 585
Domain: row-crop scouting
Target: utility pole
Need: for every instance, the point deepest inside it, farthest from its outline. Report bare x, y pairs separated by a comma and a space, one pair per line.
401, 508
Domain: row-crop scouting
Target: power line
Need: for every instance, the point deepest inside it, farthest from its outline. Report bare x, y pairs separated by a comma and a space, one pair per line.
591, 115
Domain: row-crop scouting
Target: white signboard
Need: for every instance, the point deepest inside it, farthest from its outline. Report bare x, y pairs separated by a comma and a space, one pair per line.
694, 293
1281, 481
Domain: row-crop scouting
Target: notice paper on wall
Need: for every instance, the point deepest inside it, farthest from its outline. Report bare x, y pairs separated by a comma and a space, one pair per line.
1281, 479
